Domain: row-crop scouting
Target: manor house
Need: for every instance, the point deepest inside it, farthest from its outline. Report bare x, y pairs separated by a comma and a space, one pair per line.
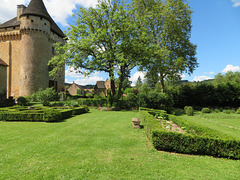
26, 46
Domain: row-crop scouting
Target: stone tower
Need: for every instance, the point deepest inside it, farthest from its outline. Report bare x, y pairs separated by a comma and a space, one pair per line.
26, 45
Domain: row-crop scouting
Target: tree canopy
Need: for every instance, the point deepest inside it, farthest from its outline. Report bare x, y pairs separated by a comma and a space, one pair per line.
104, 39
168, 30
115, 37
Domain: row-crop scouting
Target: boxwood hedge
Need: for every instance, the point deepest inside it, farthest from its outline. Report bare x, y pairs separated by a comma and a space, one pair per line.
198, 140
43, 115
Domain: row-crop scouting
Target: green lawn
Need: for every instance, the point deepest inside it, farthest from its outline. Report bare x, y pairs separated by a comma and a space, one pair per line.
226, 123
97, 145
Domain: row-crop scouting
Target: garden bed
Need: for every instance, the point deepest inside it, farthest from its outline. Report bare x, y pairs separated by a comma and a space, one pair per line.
40, 114
198, 139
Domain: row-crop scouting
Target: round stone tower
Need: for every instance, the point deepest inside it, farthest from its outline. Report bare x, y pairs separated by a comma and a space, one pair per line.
37, 31
36, 48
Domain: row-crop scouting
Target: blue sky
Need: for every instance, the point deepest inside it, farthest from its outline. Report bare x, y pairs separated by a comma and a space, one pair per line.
216, 31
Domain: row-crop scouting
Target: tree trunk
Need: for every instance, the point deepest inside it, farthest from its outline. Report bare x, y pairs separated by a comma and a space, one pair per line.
121, 79
112, 84
162, 83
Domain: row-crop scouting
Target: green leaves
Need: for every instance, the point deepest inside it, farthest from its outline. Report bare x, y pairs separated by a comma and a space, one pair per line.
167, 31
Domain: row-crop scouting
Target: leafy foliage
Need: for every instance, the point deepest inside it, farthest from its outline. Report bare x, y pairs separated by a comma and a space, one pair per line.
167, 31
189, 110
206, 110
22, 101
45, 96
104, 38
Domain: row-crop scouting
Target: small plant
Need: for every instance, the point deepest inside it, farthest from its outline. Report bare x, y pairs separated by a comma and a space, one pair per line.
206, 110
45, 96
189, 110
238, 111
217, 111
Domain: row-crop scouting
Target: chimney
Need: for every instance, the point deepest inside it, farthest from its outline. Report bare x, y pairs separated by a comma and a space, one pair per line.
20, 9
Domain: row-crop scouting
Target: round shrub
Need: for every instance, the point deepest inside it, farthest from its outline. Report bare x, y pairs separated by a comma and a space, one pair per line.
238, 111
206, 110
189, 110
22, 101
217, 111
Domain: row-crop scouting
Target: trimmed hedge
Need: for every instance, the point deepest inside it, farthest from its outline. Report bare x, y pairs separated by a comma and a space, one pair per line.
196, 129
199, 140
47, 115
189, 144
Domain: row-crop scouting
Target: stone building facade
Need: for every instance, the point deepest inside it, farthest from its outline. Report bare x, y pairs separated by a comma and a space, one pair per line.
27, 45
74, 88
101, 88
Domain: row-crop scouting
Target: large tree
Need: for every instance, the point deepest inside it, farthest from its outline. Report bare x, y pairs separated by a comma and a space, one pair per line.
167, 26
104, 38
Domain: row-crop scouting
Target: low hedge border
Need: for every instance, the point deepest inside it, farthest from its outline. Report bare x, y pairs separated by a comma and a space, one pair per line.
188, 143
48, 115
196, 129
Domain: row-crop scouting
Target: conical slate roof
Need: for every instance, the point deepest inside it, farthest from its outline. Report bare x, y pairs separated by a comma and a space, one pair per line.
37, 8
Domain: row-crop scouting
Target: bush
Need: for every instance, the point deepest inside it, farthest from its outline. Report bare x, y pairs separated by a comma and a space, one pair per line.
22, 101
188, 110
52, 115
217, 111
188, 143
45, 96
238, 111
228, 111
206, 110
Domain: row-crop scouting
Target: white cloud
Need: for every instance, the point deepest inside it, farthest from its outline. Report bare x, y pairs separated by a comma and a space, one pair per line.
236, 3
70, 72
92, 79
183, 76
135, 77
201, 78
80, 79
59, 10
231, 68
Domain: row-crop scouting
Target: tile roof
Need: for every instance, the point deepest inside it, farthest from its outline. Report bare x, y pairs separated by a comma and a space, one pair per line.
11, 23
36, 8
2, 63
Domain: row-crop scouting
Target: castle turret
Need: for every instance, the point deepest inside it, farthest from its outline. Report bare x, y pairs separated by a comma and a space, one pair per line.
26, 45
36, 29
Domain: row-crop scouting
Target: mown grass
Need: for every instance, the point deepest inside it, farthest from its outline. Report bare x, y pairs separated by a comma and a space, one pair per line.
226, 123
97, 145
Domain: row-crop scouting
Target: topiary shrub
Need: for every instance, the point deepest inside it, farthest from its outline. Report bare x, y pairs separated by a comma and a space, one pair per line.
238, 111
22, 101
188, 110
52, 115
206, 110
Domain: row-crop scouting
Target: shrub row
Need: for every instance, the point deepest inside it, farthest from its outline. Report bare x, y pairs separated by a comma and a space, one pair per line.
48, 115
189, 143
196, 129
